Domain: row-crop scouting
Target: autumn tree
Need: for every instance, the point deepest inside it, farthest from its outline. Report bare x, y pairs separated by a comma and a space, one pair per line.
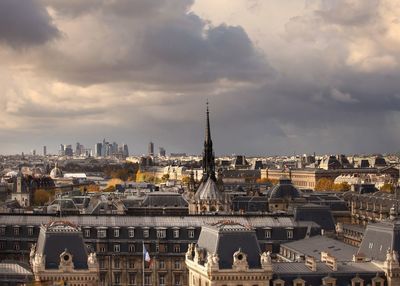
41, 197
389, 188
324, 184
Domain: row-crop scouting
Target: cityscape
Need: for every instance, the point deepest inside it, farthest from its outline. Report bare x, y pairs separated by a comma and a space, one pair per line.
199, 143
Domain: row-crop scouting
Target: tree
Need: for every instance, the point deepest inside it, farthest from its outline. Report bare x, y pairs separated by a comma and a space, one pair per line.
389, 188
165, 177
41, 197
341, 187
324, 184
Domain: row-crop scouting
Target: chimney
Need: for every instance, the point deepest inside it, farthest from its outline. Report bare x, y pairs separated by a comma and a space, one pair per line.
329, 260
311, 263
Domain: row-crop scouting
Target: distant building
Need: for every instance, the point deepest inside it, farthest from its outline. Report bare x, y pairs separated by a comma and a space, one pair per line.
44, 151
161, 152
150, 149
125, 150
98, 149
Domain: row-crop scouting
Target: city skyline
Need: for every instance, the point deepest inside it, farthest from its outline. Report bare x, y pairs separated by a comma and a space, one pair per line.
282, 77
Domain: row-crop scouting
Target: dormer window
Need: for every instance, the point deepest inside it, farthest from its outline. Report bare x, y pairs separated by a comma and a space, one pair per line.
289, 233
116, 232
146, 232
267, 232
16, 230
176, 232
191, 232
161, 233
131, 232
102, 233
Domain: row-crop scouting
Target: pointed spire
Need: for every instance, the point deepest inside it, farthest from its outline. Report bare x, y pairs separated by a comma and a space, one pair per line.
208, 131
208, 153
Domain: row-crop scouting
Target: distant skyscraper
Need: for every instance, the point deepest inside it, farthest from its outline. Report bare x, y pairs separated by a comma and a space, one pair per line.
33, 152
44, 151
151, 149
125, 150
161, 152
68, 151
79, 149
61, 151
97, 149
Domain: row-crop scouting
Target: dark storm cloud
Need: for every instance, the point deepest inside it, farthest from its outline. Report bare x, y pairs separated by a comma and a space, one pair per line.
25, 23
159, 44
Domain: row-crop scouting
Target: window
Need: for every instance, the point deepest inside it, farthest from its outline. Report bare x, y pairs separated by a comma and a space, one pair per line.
267, 233
131, 232
147, 279
117, 278
132, 278
176, 233
191, 233
30, 230
131, 263
102, 248
116, 263
16, 230
177, 248
161, 264
2, 244
87, 232
289, 233
116, 232
177, 279
131, 248
16, 246
145, 232
177, 264
3, 230
161, 233
102, 263
117, 248
102, 233
161, 279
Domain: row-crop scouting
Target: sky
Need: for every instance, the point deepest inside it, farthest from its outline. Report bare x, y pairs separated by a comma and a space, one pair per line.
281, 76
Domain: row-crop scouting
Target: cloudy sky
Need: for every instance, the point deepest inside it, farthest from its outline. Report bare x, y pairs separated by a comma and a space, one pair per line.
281, 76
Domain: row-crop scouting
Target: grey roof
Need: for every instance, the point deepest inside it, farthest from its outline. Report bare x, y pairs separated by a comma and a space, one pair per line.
208, 190
321, 215
156, 221
284, 189
379, 237
10, 268
313, 246
58, 236
161, 199
299, 268
226, 238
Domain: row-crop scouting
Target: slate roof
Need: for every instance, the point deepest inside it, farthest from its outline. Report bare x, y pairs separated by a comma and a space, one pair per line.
9, 268
313, 246
321, 215
226, 238
288, 271
161, 199
284, 189
155, 221
57, 236
379, 237
208, 190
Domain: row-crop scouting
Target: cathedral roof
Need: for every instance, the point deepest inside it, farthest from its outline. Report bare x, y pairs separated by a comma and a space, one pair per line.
208, 190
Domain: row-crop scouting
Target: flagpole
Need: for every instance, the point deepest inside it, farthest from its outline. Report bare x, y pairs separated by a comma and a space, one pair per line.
143, 263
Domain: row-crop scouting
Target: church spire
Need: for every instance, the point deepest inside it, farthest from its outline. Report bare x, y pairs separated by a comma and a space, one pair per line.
208, 153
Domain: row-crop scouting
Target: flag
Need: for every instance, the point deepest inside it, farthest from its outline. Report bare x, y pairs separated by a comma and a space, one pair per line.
146, 255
